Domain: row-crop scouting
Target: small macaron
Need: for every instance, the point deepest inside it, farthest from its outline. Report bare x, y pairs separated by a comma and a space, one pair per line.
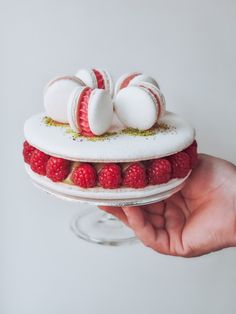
132, 79
160, 99
96, 78
90, 111
139, 106
56, 95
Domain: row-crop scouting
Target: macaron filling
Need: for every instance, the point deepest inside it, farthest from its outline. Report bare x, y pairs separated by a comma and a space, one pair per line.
157, 100
175, 170
82, 113
100, 79
127, 80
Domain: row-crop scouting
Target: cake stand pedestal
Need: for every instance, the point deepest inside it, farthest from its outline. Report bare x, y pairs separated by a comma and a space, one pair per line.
94, 225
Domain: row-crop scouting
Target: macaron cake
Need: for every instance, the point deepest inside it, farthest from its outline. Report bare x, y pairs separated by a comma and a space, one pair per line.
126, 150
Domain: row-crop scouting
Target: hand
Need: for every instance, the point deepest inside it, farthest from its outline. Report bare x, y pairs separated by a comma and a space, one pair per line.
197, 220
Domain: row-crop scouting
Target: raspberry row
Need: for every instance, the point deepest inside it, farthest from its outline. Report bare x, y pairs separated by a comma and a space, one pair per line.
112, 175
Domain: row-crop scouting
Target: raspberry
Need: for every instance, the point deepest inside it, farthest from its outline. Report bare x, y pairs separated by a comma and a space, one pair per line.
27, 151
135, 176
84, 176
109, 176
57, 169
192, 153
159, 171
38, 162
180, 164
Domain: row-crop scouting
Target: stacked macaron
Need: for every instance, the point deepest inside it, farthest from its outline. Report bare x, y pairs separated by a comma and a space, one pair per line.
86, 101
86, 105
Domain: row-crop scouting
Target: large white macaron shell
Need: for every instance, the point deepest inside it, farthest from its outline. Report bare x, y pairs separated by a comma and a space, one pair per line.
122, 147
56, 96
136, 107
72, 108
88, 77
100, 111
161, 105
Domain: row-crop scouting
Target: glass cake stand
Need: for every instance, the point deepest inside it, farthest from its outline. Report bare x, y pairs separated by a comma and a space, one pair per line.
96, 226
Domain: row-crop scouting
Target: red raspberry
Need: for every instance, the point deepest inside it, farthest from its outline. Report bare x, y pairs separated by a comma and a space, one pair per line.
180, 164
159, 171
135, 176
109, 176
84, 176
27, 151
38, 162
57, 169
192, 153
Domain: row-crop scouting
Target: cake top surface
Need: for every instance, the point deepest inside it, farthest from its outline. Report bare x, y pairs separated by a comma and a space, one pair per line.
172, 134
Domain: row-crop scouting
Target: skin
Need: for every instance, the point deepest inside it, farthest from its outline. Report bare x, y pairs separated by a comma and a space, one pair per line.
199, 219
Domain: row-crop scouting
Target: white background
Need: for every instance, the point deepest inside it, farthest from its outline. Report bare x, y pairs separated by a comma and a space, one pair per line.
189, 46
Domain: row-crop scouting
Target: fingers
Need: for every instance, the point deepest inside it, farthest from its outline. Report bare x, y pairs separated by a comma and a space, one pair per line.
162, 242
178, 200
174, 224
141, 226
163, 233
149, 224
155, 214
157, 221
156, 208
135, 216
115, 211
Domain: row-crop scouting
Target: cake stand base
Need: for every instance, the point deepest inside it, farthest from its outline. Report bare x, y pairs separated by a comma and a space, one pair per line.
96, 226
